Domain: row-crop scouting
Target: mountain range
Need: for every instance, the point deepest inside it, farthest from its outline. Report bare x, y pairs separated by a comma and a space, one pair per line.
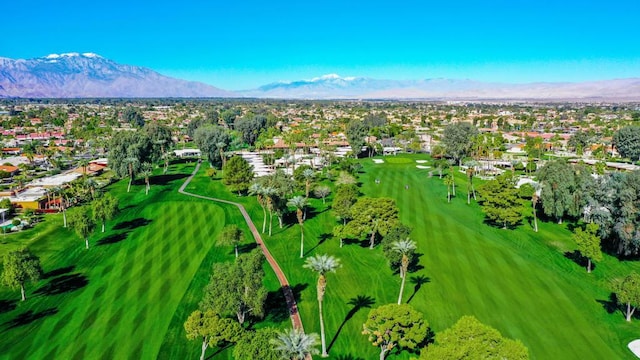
85, 75
88, 75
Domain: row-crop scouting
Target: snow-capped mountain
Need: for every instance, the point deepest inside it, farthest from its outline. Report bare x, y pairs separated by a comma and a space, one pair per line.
84, 75
333, 86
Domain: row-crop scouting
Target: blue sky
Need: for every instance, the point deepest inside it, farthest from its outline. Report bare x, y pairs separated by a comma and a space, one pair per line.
244, 44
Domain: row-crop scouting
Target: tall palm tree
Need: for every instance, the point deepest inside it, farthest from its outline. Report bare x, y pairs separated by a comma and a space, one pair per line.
299, 202
448, 180
404, 247
308, 175
534, 201
258, 190
269, 194
295, 345
132, 163
146, 171
322, 264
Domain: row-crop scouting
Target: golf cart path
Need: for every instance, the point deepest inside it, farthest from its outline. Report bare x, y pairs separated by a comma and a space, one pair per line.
286, 289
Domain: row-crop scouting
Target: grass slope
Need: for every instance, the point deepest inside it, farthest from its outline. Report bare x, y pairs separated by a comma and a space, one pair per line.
517, 281
127, 296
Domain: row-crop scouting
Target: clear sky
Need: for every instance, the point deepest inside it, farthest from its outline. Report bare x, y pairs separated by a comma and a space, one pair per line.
244, 44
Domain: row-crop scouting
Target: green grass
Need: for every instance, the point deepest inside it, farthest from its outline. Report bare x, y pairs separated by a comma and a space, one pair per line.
140, 289
517, 281
128, 297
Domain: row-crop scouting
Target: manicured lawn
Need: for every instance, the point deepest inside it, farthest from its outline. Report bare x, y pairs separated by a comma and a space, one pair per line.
517, 281
128, 295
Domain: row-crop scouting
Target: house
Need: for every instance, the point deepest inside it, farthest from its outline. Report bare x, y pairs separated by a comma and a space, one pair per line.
12, 170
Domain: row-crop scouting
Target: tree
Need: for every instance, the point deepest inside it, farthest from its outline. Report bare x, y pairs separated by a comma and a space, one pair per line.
557, 181
372, 216
322, 191
295, 345
628, 292
470, 339
405, 248
397, 233
212, 141
80, 221
161, 142
237, 174
250, 128
458, 140
20, 266
322, 264
236, 288
146, 170
259, 191
580, 141
133, 116
231, 235
449, 181
212, 329
627, 141
256, 345
534, 147
356, 132
393, 325
104, 208
588, 243
308, 175
127, 152
500, 201
345, 197
299, 203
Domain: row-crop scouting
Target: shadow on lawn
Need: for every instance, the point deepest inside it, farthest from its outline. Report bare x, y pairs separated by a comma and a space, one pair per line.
58, 272
63, 284
611, 305
417, 282
28, 317
245, 248
112, 239
358, 302
277, 304
577, 258
132, 224
166, 179
348, 357
323, 237
7, 305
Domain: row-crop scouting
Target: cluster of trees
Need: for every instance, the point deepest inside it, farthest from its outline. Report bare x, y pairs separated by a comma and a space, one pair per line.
99, 211
133, 153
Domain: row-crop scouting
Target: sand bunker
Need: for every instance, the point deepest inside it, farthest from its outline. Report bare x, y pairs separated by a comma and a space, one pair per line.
634, 346
378, 161
423, 167
421, 161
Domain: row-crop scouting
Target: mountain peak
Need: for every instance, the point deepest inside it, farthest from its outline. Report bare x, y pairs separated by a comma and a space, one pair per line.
72, 54
82, 75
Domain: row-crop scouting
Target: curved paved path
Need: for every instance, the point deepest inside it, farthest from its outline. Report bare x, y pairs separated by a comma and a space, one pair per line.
286, 289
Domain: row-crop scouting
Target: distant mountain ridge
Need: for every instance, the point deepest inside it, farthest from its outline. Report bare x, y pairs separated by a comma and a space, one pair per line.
85, 75
332, 86
88, 75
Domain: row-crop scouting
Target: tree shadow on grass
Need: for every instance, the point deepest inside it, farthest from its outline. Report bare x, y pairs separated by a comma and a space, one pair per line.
63, 284
577, 258
610, 305
358, 302
7, 305
277, 303
28, 317
246, 248
166, 178
58, 272
112, 239
417, 282
323, 237
132, 224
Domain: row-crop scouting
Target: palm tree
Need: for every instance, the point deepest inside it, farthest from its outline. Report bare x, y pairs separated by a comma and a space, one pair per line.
404, 247
269, 194
258, 190
448, 180
295, 345
308, 175
91, 185
299, 202
534, 201
322, 264
131, 164
146, 172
